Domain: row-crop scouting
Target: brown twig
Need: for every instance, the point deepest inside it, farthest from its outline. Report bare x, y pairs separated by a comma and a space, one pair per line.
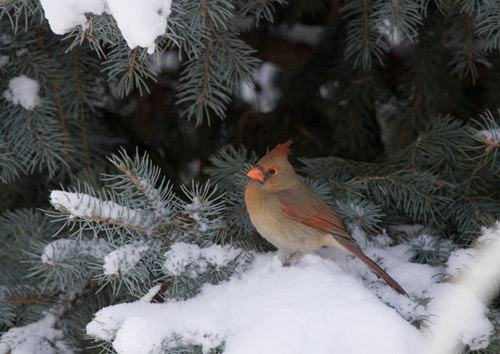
203, 11
396, 11
25, 300
60, 109
102, 221
85, 138
490, 145
206, 72
132, 63
40, 140
158, 298
64, 126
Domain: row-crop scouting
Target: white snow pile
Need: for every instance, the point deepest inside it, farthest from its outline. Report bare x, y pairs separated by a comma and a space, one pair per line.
23, 91
479, 281
140, 22
39, 337
269, 309
321, 302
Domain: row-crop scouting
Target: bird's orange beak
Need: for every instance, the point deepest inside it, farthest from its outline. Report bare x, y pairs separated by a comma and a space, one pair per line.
256, 174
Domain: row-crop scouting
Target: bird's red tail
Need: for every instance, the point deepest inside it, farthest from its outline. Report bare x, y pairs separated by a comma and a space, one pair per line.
373, 266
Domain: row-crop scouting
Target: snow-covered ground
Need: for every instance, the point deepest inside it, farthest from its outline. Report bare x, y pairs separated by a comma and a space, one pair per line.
323, 303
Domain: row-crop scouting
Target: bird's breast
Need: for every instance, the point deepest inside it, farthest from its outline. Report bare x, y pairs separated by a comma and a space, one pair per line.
264, 209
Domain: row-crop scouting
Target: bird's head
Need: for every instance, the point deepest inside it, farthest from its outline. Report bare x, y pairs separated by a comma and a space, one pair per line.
273, 172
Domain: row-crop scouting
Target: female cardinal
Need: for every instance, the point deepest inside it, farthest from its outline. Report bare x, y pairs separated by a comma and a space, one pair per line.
287, 213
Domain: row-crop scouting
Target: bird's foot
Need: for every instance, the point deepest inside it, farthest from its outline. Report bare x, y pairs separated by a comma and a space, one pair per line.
290, 259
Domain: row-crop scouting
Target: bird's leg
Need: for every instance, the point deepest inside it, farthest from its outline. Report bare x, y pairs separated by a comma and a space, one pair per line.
290, 259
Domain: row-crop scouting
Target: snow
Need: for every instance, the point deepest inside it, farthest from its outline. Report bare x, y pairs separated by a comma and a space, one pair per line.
23, 91
88, 207
475, 287
64, 15
62, 249
448, 329
491, 135
179, 257
193, 210
322, 301
154, 198
264, 94
309, 308
124, 258
140, 22
166, 61
182, 254
460, 261
39, 337
391, 32
327, 90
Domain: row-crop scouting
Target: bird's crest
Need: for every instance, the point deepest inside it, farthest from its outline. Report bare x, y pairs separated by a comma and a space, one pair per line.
281, 149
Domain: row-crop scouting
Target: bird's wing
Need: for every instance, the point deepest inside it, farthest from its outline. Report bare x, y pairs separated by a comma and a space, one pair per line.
303, 205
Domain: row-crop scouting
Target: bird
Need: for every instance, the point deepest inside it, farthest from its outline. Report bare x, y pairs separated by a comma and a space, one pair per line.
292, 217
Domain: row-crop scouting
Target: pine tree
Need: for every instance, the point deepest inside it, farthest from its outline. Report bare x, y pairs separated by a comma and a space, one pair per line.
393, 110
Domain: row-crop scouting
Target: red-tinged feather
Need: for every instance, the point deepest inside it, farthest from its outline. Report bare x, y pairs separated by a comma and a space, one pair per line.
304, 206
318, 220
283, 149
279, 153
326, 222
373, 266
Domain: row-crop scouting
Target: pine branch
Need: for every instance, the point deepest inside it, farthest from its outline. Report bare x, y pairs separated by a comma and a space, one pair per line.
362, 44
88, 209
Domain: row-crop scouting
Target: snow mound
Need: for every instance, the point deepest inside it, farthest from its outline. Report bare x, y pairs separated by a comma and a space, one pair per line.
310, 307
322, 303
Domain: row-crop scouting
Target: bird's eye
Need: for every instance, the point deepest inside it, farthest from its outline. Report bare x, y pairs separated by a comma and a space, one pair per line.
272, 171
